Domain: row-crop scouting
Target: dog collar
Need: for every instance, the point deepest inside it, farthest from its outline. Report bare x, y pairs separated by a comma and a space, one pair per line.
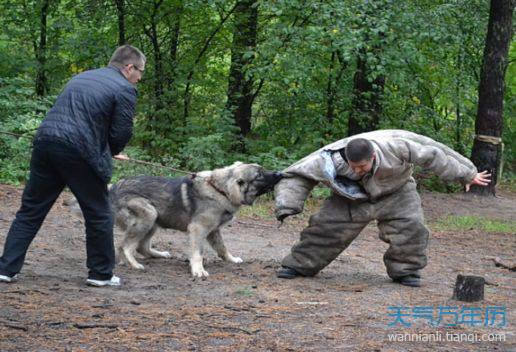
217, 189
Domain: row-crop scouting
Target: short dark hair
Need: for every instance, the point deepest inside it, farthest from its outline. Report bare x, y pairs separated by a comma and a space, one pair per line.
359, 149
127, 54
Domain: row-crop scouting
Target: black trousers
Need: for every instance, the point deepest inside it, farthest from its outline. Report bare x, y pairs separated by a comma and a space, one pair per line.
53, 166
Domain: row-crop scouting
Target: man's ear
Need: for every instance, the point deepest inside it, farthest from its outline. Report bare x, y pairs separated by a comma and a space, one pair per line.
373, 156
125, 70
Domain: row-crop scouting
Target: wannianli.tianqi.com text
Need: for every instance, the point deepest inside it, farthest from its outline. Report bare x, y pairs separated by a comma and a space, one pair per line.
439, 336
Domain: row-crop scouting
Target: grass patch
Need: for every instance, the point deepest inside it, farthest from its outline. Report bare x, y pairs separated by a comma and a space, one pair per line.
464, 223
263, 208
246, 292
508, 184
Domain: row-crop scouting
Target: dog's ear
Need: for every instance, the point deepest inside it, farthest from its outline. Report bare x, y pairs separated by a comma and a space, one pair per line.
237, 163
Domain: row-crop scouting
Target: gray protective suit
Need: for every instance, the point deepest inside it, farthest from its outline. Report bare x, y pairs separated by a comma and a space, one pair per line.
386, 194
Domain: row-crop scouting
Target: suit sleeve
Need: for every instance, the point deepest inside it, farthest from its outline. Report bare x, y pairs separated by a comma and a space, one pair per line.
437, 158
121, 128
291, 193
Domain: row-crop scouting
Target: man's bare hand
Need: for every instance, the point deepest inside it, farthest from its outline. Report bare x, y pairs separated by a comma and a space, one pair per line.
121, 157
481, 179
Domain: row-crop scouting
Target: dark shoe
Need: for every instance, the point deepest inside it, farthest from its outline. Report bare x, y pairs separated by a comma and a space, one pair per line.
409, 280
287, 273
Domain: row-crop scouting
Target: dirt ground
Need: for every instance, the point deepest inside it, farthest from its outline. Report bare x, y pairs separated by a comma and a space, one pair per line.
244, 307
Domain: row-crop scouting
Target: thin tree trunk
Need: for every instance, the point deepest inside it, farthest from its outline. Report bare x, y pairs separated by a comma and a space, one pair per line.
152, 33
175, 29
240, 86
41, 54
186, 96
331, 90
298, 21
458, 121
120, 11
367, 99
487, 149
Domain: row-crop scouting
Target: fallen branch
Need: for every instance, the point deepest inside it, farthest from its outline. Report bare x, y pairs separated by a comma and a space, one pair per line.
14, 325
249, 224
232, 328
500, 263
312, 303
94, 326
24, 292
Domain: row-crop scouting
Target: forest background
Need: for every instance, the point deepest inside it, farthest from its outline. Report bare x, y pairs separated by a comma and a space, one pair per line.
257, 81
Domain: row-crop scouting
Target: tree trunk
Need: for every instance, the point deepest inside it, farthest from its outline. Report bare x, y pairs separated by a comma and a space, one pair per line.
41, 52
120, 11
469, 288
487, 149
240, 86
175, 28
330, 92
333, 84
186, 95
152, 32
367, 99
458, 122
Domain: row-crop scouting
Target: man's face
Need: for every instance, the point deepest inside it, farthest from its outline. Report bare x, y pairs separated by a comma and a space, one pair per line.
134, 73
362, 167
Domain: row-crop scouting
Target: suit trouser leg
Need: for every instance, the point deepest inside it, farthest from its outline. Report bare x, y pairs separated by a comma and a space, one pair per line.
41, 191
329, 232
401, 224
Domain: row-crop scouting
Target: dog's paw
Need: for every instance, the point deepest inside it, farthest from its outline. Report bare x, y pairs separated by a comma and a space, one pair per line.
165, 254
236, 260
138, 266
199, 272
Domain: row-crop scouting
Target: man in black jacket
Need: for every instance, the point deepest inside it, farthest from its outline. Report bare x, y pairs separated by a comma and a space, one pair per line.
91, 122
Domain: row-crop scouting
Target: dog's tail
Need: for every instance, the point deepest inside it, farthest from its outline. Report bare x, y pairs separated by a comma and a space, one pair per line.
73, 204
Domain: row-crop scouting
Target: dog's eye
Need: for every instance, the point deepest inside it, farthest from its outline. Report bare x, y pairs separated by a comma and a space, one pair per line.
240, 182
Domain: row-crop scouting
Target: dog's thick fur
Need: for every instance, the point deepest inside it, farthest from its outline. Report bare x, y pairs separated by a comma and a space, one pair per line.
198, 206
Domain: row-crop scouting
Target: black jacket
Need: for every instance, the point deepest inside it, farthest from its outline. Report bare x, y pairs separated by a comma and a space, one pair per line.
94, 115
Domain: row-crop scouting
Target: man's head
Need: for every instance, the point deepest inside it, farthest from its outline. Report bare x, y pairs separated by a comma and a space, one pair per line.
130, 61
360, 155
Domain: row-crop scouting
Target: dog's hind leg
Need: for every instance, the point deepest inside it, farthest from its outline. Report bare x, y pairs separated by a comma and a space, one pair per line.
128, 250
142, 221
216, 242
145, 248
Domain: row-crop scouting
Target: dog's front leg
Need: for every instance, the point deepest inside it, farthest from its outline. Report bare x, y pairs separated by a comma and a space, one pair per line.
197, 234
216, 242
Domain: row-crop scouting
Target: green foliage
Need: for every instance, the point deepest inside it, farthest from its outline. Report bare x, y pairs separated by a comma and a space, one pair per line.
464, 223
205, 152
429, 52
20, 115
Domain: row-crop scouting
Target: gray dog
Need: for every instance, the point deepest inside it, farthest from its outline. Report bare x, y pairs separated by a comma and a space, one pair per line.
198, 206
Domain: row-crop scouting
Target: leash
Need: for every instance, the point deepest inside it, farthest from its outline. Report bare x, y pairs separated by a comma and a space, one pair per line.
136, 161
17, 135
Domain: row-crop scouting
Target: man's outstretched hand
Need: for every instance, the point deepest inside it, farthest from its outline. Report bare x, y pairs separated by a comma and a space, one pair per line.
121, 157
481, 179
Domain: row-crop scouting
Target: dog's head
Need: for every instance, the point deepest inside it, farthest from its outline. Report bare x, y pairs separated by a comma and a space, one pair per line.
243, 183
